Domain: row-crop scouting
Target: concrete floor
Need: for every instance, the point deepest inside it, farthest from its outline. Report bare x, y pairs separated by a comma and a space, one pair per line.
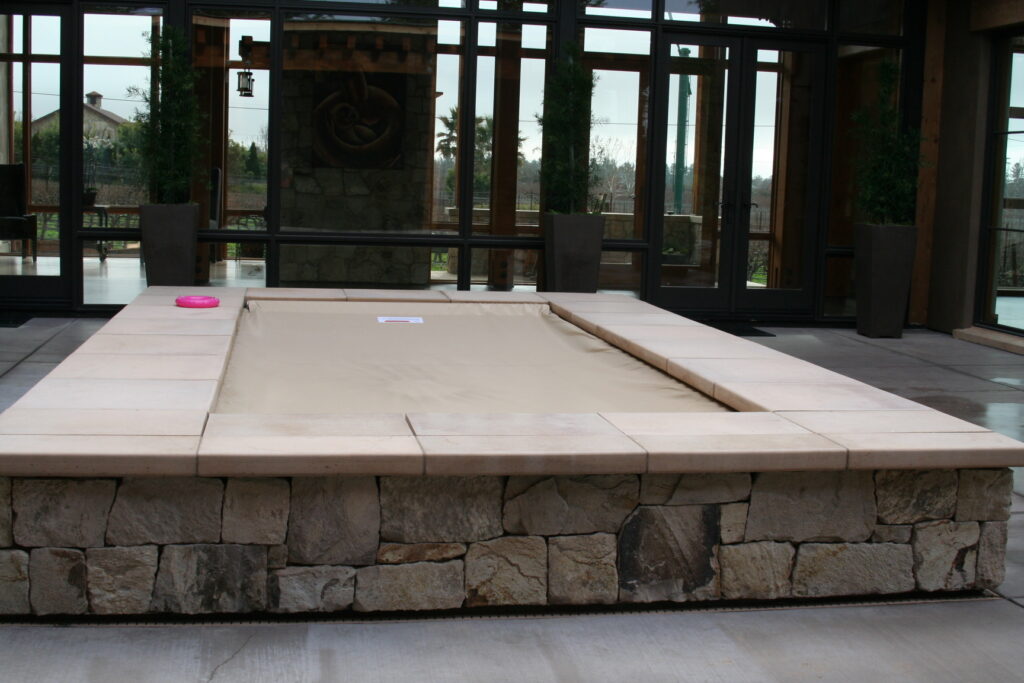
965, 640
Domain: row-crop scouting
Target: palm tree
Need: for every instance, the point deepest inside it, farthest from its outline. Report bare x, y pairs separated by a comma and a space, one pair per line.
448, 139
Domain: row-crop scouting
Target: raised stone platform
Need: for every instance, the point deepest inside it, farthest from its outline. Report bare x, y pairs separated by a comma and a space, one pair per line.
121, 493
325, 544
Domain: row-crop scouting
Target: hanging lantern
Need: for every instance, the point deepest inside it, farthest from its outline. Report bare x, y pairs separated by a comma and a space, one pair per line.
245, 81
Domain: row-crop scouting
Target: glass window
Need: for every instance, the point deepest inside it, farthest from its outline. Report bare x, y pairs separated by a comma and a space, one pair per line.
132, 28
618, 133
518, 269
858, 68
505, 270
30, 154
796, 14
112, 271
234, 48
635, 9
116, 80
370, 266
232, 264
839, 296
1004, 302
691, 221
507, 145
513, 5
410, 3
45, 35
368, 105
622, 272
779, 176
882, 17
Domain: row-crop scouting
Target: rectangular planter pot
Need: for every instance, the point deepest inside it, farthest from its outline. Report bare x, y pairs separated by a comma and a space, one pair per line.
572, 251
169, 243
884, 264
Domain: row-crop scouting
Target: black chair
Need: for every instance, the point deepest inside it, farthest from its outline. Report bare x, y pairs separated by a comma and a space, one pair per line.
14, 223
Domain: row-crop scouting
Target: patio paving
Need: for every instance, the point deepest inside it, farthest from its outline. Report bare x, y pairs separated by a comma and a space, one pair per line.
977, 639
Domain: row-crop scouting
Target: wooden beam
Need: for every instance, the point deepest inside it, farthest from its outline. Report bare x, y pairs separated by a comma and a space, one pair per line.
992, 14
927, 177
505, 158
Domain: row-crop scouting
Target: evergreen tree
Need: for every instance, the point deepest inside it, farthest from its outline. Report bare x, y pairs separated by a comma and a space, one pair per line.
252, 162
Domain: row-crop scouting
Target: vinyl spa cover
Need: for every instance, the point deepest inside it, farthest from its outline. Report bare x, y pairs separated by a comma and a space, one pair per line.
389, 357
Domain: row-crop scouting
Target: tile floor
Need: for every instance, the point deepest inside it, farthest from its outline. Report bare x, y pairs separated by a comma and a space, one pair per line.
949, 641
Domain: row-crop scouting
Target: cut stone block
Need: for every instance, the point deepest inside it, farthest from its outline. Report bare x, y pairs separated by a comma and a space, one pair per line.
404, 553
668, 553
14, 589
946, 554
892, 533
984, 495
418, 586
570, 505
694, 489
812, 506
256, 511
121, 579
991, 555
734, 522
207, 579
6, 535
166, 510
333, 520
756, 571
507, 571
910, 496
277, 556
581, 570
824, 569
440, 509
61, 512
58, 581
311, 589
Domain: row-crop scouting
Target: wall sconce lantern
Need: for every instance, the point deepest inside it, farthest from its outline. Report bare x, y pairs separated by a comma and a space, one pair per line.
245, 78
245, 81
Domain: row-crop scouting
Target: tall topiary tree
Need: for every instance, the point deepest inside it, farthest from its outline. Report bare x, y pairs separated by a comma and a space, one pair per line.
889, 157
171, 121
566, 122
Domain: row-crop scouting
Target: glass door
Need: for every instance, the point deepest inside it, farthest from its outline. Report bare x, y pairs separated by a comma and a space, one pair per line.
697, 203
739, 205
1003, 291
32, 166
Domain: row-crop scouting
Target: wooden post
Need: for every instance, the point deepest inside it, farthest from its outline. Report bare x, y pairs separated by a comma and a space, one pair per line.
927, 177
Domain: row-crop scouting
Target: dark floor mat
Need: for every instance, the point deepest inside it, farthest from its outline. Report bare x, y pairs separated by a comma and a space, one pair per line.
13, 319
740, 329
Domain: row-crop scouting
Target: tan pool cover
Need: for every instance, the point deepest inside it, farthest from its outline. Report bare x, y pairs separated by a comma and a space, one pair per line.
336, 357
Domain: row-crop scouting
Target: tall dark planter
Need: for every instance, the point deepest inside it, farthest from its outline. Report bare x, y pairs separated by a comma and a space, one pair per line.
884, 257
169, 243
572, 251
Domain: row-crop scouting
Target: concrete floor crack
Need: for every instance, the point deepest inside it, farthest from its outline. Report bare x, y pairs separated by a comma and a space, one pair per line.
216, 669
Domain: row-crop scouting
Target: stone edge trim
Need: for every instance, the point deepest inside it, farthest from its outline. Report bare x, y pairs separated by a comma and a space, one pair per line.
595, 313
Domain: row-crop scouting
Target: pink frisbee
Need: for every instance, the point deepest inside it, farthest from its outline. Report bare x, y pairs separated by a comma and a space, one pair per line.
197, 301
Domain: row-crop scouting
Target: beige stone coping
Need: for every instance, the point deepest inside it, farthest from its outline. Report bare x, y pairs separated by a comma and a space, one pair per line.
135, 399
493, 297
999, 340
274, 445
294, 294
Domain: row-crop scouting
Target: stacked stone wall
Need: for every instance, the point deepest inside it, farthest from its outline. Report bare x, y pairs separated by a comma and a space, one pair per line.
324, 544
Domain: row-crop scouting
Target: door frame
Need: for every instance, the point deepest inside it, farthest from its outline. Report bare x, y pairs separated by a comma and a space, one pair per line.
43, 292
731, 297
